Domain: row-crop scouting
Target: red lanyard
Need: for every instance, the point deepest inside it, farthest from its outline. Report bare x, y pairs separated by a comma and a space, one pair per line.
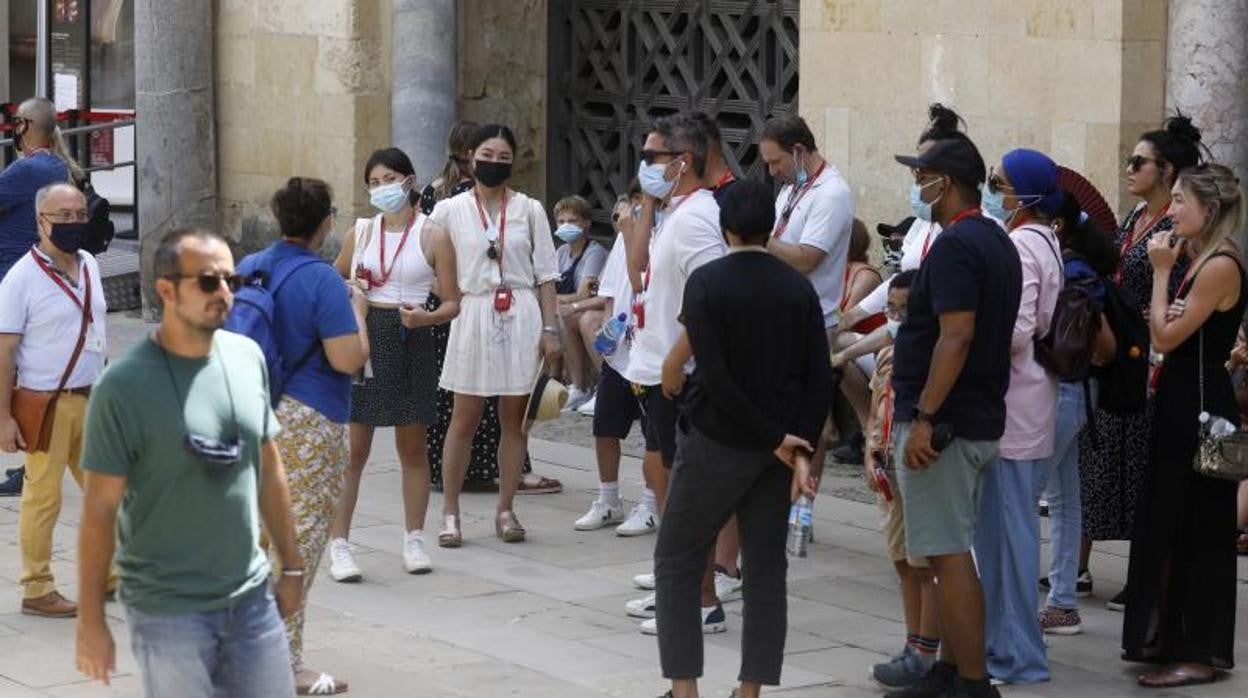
381, 251
645, 278
927, 241
966, 213
84, 272
502, 225
794, 199
724, 180
1129, 240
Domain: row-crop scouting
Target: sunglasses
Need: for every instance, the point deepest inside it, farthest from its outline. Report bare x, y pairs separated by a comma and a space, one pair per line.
1136, 162
216, 456
492, 251
209, 283
649, 156
996, 184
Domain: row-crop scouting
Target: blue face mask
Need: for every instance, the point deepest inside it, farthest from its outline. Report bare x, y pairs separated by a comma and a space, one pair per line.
388, 198
653, 179
993, 204
922, 209
569, 232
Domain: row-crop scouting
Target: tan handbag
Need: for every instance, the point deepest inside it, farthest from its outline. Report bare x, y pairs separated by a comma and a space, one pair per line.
34, 410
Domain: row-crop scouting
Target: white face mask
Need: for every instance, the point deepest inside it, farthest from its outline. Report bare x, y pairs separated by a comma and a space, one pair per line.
893, 327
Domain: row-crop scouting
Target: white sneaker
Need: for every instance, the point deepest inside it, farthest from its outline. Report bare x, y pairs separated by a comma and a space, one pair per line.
342, 567
588, 408
641, 521
727, 587
644, 581
415, 559
600, 514
713, 621
641, 608
576, 398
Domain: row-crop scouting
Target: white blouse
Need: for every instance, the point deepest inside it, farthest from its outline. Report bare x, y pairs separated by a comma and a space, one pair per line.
528, 249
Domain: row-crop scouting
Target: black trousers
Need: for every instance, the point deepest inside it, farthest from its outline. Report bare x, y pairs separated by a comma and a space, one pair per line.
709, 483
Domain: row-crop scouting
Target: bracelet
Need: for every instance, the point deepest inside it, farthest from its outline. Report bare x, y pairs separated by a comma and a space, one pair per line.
293, 572
576, 306
551, 329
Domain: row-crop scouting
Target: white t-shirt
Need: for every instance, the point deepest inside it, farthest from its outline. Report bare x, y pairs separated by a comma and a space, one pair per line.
590, 267
614, 284
823, 219
688, 238
919, 239
36, 307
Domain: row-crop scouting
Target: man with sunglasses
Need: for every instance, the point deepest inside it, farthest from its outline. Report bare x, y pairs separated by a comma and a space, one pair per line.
52, 338
186, 475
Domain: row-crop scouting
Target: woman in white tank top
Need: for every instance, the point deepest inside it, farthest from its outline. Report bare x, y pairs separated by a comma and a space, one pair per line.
395, 258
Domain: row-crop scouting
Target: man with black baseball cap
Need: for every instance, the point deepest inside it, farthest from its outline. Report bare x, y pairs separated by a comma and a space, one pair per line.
951, 371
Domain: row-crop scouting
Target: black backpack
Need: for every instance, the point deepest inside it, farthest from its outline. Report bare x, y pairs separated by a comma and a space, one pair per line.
100, 228
1124, 381
1066, 350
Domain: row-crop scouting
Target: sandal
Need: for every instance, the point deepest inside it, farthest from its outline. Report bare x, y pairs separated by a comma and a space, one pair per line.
536, 484
325, 685
451, 536
508, 527
1175, 676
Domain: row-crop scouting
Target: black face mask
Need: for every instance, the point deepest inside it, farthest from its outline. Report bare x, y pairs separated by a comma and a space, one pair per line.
68, 237
492, 174
17, 140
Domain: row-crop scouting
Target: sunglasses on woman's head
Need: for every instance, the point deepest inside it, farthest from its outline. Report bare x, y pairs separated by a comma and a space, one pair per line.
209, 282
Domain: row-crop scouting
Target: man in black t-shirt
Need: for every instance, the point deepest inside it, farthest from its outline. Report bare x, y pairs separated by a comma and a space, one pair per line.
755, 402
951, 371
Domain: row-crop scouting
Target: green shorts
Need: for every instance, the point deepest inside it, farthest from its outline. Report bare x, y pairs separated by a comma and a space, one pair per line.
942, 501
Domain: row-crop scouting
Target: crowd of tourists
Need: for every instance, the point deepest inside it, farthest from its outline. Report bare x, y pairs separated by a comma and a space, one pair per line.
1018, 353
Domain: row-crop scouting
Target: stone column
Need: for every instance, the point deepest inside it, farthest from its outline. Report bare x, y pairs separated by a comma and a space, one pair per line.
175, 138
1207, 74
424, 68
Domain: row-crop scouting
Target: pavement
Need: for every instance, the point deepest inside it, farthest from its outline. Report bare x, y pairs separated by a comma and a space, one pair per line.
545, 618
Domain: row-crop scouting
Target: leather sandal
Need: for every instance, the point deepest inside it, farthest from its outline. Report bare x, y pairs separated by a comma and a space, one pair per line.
508, 527
451, 536
532, 483
1176, 675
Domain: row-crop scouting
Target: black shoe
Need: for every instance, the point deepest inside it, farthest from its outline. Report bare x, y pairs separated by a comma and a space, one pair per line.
851, 451
937, 683
966, 688
9, 472
1119, 602
12, 487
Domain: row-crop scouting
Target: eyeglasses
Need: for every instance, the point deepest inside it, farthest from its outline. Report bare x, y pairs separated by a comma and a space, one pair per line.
649, 156
80, 216
895, 312
1136, 162
210, 283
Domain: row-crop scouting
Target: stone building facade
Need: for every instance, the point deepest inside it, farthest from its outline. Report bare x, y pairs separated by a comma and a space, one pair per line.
254, 91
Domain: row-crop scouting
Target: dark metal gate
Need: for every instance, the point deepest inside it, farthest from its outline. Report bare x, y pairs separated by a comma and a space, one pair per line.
616, 65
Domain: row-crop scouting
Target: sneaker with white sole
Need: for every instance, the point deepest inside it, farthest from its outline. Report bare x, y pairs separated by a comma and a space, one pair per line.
727, 587
641, 521
576, 398
1060, 621
415, 559
588, 408
713, 621
600, 515
342, 567
641, 608
644, 581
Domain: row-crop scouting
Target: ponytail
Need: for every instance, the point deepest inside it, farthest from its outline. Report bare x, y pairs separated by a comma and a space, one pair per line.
76, 173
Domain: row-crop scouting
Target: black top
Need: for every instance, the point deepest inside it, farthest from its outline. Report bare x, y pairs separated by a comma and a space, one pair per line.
756, 327
972, 266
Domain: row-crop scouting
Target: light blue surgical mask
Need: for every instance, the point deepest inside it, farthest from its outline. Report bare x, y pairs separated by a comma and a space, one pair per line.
922, 209
388, 198
993, 204
893, 326
569, 232
654, 181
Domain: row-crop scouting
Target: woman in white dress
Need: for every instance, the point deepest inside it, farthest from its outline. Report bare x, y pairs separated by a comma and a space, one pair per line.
507, 272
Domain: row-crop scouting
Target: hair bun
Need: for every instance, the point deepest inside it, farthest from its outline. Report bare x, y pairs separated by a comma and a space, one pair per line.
1181, 126
943, 119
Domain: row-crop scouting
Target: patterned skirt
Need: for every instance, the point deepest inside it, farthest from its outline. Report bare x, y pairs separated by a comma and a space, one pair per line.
401, 389
1111, 472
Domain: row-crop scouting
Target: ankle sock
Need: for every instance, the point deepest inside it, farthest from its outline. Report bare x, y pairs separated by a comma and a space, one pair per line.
927, 648
912, 641
609, 492
649, 501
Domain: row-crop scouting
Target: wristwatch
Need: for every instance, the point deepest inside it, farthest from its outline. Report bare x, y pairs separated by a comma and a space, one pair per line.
919, 415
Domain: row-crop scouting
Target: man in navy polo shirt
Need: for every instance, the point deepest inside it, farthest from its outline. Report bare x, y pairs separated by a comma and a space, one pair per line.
951, 372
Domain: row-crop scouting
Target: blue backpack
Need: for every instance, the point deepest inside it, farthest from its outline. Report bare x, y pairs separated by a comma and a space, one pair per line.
252, 316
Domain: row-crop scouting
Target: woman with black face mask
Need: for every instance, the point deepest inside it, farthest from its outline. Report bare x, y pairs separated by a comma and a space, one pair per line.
507, 273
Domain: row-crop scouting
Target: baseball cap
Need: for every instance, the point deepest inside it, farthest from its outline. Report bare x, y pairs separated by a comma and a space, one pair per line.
956, 157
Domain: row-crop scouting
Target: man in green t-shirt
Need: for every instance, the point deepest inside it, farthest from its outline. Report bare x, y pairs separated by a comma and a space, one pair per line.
180, 462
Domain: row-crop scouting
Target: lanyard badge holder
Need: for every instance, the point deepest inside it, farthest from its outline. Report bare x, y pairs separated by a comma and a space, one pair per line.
497, 238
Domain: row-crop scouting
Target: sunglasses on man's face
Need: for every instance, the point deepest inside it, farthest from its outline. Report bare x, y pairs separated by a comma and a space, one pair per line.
649, 156
209, 283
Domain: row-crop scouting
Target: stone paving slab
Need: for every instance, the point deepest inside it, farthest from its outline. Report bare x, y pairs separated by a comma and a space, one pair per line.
545, 618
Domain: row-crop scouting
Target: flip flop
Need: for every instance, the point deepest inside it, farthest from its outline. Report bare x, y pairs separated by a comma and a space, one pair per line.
325, 685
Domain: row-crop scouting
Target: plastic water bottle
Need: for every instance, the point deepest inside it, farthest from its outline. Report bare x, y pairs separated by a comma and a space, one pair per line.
801, 518
1218, 427
612, 333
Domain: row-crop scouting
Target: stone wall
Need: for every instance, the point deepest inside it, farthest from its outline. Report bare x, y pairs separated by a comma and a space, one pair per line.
303, 88
1078, 79
502, 77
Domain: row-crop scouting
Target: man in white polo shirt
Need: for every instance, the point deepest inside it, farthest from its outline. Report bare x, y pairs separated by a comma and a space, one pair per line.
48, 345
